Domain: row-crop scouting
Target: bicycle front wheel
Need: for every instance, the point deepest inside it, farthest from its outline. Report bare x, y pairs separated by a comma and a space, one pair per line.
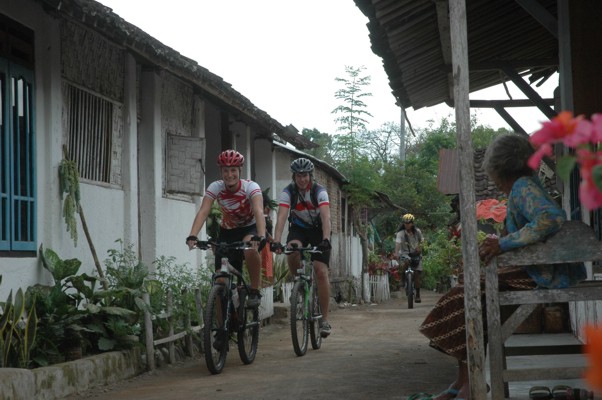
299, 318
248, 334
215, 333
410, 289
316, 318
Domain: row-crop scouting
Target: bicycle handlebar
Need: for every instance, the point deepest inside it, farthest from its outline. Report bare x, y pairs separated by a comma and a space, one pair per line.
307, 249
205, 244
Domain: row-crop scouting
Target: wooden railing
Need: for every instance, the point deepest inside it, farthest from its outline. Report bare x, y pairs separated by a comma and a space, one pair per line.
172, 335
575, 242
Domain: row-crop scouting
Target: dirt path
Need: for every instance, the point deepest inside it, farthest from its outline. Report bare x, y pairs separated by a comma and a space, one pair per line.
374, 352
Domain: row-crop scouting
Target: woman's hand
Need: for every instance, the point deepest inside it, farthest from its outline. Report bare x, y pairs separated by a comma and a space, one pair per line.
489, 249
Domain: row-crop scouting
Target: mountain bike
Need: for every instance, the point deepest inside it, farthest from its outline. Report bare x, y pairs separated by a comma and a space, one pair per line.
226, 314
305, 314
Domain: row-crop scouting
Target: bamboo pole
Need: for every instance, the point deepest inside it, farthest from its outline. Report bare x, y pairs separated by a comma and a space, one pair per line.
82, 219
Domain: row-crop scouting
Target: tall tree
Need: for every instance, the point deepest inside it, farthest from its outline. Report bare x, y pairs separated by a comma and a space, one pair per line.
351, 120
353, 110
324, 140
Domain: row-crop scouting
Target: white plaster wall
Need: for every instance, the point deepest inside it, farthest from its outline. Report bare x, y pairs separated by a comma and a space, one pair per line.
104, 212
22, 272
173, 226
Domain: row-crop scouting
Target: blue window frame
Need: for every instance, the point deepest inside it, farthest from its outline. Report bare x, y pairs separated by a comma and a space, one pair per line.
17, 159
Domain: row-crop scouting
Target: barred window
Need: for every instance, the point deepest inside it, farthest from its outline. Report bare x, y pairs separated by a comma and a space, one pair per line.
90, 132
17, 159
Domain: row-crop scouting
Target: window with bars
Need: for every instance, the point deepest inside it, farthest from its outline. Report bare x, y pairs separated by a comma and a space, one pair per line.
17, 159
90, 133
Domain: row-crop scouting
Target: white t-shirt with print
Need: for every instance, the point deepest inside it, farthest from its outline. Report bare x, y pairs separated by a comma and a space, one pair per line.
236, 207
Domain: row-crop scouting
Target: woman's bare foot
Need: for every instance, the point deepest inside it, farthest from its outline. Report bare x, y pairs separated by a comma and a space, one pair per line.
464, 393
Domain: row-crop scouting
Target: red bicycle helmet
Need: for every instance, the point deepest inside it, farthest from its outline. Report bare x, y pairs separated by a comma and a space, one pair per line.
230, 158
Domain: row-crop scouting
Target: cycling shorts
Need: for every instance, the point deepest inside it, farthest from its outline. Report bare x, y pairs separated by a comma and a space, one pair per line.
235, 257
308, 236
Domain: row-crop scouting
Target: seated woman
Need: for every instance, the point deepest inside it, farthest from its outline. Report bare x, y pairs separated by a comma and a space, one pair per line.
532, 215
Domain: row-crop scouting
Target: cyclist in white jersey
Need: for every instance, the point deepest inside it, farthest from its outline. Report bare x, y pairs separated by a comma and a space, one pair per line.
241, 204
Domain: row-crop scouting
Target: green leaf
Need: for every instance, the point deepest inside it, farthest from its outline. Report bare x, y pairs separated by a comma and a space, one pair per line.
30, 334
49, 260
153, 286
70, 267
105, 344
142, 304
565, 166
118, 311
597, 176
19, 306
93, 308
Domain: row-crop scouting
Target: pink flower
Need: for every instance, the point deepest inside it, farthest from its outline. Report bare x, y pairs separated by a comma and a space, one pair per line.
544, 150
556, 129
579, 134
590, 195
597, 129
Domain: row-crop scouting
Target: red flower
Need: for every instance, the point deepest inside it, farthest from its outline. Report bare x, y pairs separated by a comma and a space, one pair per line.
593, 351
491, 209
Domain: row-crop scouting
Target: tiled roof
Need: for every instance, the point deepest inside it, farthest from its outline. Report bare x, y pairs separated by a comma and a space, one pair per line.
448, 179
149, 50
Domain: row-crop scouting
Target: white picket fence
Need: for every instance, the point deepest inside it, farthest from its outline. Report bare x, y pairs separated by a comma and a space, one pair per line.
379, 288
266, 309
287, 289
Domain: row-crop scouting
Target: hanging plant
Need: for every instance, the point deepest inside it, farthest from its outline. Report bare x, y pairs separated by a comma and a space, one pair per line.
69, 186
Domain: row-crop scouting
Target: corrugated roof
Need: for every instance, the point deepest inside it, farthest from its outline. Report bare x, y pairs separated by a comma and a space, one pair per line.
448, 179
413, 39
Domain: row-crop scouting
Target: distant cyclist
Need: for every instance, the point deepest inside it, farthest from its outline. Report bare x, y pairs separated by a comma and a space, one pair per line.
241, 204
408, 246
306, 205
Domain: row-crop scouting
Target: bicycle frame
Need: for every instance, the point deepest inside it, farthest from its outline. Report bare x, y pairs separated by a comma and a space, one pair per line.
222, 317
410, 287
305, 317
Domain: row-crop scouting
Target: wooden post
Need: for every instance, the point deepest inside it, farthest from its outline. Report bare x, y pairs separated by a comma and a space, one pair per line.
148, 330
188, 326
470, 254
171, 345
199, 309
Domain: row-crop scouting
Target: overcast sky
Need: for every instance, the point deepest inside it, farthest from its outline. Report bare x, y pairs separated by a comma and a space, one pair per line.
284, 56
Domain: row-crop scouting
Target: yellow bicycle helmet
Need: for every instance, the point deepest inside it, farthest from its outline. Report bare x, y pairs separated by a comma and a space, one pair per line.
407, 218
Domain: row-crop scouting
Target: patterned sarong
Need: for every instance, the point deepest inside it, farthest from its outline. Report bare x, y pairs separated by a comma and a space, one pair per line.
445, 325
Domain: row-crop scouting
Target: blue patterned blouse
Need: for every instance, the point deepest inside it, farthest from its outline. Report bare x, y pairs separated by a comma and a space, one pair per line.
532, 215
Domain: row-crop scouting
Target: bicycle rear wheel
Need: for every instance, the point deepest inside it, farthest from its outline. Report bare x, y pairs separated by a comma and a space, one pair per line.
410, 289
316, 318
214, 330
299, 318
248, 333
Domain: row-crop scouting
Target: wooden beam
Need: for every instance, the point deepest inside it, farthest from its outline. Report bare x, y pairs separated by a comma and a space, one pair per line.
515, 126
442, 7
529, 91
519, 65
506, 103
542, 15
472, 289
